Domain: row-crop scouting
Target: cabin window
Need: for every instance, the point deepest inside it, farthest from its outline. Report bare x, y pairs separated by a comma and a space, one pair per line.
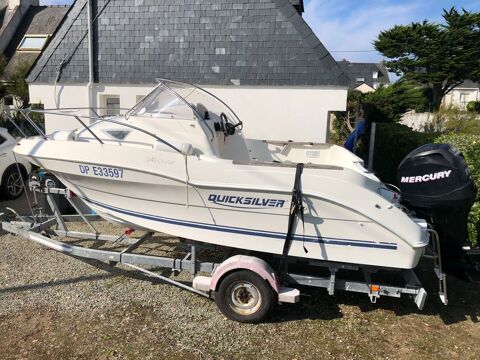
118, 134
110, 105
33, 43
139, 98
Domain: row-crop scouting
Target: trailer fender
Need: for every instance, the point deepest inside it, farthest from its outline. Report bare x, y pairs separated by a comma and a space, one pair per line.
242, 262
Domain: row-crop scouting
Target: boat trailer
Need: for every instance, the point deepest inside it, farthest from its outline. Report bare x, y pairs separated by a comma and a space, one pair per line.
221, 280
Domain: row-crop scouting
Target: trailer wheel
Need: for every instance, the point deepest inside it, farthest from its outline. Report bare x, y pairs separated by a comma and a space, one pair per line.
245, 297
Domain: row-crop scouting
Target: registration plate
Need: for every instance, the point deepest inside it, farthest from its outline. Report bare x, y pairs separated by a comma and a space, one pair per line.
101, 171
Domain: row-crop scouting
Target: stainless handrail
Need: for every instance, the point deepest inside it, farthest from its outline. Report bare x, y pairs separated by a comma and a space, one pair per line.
31, 122
145, 132
79, 117
88, 129
86, 108
14, 124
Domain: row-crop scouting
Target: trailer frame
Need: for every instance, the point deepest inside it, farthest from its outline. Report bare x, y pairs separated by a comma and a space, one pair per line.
41, 227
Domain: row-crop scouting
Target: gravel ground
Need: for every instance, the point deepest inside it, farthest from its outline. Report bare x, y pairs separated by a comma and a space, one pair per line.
55, 306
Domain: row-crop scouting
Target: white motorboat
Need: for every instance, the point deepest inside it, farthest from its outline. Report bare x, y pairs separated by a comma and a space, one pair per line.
178, 163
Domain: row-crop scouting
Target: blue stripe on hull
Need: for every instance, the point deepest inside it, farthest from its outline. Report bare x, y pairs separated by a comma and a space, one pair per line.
250, 232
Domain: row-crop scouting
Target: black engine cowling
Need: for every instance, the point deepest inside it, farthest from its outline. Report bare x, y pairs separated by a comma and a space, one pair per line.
437, 184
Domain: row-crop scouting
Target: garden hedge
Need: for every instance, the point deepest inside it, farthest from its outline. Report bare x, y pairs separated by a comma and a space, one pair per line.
473, 106
394, 141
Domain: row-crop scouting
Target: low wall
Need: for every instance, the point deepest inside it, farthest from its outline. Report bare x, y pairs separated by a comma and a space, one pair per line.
416, 121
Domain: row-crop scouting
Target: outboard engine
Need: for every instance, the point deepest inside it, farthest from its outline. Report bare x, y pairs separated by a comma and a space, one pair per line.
436, 183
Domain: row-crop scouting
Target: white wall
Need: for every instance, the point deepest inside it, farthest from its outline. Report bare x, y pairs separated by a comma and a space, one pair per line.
454, 97
416, 121
275, 113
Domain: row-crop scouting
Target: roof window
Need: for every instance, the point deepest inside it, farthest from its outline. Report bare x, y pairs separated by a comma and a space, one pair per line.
33, 42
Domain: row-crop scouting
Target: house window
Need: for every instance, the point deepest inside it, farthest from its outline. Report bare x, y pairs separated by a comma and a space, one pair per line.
33, 43
360, 80
464, 99
375, 74
111, 105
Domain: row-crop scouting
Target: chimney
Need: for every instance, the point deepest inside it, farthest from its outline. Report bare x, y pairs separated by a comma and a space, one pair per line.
298, 4
12, 4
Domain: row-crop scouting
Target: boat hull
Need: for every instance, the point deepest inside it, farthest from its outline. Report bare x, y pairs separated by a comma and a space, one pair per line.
233, 213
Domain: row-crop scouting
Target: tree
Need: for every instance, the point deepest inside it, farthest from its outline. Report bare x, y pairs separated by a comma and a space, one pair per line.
389, 103
344, 121
440, 56
3, 87
385, 104
17, 85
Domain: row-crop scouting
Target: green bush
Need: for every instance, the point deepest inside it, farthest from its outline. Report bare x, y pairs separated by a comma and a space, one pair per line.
469, 145
473, 106
389, 103
394, 141
450, 119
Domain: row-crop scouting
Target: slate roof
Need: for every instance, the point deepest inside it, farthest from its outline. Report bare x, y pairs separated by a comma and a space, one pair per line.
298, 4
364, 70
38, 20
469, 84
5, 15
209, 42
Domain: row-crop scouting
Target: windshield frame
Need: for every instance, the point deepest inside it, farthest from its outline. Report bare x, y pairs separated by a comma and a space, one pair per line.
165, 83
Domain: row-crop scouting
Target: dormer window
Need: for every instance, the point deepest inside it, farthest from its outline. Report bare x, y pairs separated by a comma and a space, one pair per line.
360, 80
33, 43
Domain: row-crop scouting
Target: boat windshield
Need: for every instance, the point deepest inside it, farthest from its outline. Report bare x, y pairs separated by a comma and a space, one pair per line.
175, 100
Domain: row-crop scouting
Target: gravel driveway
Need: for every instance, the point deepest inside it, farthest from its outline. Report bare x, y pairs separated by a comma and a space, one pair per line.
55, 306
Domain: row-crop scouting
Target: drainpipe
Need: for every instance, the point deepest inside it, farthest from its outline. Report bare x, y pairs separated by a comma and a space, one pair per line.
91, 80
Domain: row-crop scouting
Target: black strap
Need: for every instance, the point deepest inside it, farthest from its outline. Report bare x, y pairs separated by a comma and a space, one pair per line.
296, 210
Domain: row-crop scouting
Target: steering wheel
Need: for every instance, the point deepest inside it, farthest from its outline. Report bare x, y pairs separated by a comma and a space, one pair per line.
227, 127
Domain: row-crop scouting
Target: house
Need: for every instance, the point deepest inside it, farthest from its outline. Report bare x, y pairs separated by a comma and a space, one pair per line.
259, 56
463, 94
365, 77
25, 30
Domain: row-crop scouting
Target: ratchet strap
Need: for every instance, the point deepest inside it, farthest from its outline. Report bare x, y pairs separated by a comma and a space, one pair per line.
296, 210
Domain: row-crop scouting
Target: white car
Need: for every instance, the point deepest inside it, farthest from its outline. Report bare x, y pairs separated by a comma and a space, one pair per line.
11, 186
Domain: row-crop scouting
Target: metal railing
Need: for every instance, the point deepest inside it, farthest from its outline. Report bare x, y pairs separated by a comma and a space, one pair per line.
67, 113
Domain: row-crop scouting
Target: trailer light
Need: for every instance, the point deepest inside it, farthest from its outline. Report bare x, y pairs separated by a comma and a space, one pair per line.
374, 288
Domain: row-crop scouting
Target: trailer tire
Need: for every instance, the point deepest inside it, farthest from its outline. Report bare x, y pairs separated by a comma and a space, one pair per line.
245, 297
